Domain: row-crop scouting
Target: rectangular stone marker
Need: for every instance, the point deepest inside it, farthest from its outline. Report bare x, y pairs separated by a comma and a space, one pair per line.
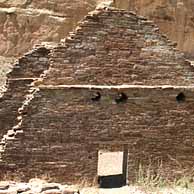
110, 163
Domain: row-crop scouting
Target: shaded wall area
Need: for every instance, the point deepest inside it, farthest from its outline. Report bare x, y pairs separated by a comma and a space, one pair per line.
65, 127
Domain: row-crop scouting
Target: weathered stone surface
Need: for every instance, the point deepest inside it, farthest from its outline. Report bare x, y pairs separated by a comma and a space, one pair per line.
22, 187
150, 119
52, 191
65, 120
18, 83
52, 186
175, 18
118, 47
64, 126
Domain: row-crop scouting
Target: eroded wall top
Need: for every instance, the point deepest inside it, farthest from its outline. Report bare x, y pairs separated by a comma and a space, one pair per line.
113, 47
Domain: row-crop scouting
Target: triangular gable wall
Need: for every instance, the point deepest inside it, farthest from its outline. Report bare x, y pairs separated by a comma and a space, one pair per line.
114, 47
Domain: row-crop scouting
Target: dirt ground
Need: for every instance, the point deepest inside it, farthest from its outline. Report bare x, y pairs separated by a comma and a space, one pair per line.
137, 190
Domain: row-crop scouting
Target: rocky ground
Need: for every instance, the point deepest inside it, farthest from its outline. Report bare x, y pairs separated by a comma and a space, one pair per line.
37, 186
141, 190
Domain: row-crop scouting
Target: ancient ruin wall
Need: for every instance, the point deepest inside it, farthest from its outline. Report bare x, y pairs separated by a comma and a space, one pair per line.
16, 38
28, 68
65, 128
26, 23
117, 47
63, 120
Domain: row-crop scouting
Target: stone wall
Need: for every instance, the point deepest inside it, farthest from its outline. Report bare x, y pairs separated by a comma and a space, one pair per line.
28, 68
65, 128
118, 47
64, 120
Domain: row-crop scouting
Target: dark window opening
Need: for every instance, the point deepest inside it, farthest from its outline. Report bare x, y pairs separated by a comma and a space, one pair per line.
96, 97
180, 97
122, 98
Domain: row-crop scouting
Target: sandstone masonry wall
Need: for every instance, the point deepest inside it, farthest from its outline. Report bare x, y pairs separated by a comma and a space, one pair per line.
117, 47
64, 121
64, 130
28, 68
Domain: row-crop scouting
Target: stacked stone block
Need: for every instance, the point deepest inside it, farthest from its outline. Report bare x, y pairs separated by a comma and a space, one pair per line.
28, 69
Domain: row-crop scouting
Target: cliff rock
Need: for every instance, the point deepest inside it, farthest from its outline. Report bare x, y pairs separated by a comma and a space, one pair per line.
174, 17
25, 23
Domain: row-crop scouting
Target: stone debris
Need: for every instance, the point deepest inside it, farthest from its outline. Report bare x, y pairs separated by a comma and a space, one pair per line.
23, 187
53, 186
35, 186
138, 190
4, 185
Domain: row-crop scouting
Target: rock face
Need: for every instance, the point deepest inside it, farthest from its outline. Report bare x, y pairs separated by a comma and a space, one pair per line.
5, 67
26, 23
81, 108
174, 17
19, 29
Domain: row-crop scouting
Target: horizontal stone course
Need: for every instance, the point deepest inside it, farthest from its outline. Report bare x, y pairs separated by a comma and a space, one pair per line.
117, 47
18, 83
145, 123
